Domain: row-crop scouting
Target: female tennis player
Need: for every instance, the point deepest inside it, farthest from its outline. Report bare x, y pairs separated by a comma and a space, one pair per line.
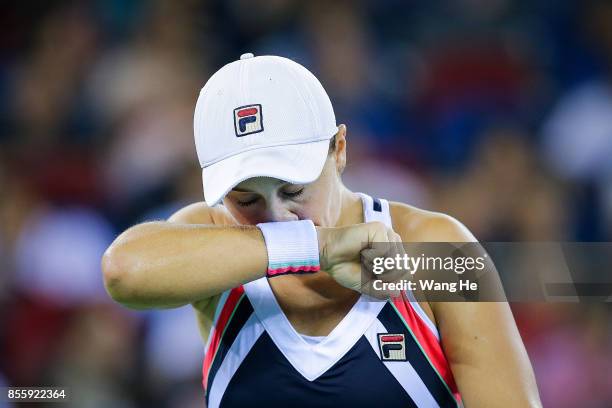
271, 263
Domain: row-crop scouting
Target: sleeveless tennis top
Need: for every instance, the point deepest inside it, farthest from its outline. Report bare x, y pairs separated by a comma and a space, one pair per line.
382, 353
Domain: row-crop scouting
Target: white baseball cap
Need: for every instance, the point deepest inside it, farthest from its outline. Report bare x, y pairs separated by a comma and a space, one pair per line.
261, 116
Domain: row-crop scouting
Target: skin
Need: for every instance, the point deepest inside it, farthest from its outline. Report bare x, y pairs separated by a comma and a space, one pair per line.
159, 265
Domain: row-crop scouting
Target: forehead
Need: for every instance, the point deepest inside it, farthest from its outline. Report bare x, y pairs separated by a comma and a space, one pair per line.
265, 183
260, 183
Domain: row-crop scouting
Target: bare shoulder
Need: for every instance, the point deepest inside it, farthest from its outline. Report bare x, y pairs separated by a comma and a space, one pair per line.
476, 337
201, 213
418, 225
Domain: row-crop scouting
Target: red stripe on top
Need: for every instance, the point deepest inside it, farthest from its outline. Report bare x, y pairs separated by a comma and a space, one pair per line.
247, 112
428, 341
217, 330
391, 338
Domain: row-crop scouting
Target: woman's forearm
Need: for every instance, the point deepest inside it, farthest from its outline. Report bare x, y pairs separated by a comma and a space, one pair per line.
163, 264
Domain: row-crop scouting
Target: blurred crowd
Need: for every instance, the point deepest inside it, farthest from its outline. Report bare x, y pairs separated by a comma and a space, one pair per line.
497, 112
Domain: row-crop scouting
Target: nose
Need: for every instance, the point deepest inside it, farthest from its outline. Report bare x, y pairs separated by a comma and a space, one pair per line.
278, 211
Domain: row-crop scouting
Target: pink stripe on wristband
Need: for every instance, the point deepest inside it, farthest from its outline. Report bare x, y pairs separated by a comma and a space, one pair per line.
293, 269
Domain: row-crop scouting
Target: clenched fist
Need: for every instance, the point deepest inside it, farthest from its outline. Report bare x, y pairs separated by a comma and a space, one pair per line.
344, 251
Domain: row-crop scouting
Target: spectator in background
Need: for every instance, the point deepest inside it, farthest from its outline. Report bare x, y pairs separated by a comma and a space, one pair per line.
56, 255
145, 89
48, 100
577, 136
400, 182
95, 357
503, 194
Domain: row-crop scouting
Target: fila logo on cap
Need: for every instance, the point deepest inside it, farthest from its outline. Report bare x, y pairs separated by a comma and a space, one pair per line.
247, 120
392, 347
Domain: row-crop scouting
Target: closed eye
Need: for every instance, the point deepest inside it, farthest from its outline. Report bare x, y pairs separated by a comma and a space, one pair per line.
293, 193
246, 203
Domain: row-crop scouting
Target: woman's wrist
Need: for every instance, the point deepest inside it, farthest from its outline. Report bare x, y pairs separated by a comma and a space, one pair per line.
292, 246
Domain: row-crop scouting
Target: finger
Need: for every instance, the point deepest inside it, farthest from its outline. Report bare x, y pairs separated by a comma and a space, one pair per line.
377, 231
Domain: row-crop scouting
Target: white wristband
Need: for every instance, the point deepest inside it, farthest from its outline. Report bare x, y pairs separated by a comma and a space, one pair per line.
292, 247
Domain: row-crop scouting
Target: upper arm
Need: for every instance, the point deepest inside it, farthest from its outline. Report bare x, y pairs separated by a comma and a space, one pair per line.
200, 213
480, 339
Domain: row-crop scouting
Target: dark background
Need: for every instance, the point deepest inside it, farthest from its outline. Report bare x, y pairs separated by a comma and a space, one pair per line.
497, 112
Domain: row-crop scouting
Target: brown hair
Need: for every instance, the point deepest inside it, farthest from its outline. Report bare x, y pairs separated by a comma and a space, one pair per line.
332, 145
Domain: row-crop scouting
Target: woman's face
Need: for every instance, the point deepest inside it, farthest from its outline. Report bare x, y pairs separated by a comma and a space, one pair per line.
266, 199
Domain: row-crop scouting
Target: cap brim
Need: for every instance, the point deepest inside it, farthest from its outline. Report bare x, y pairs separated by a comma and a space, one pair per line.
298, 164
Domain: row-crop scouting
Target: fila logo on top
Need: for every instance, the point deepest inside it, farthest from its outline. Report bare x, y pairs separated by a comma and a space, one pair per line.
247, 120
392, 347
